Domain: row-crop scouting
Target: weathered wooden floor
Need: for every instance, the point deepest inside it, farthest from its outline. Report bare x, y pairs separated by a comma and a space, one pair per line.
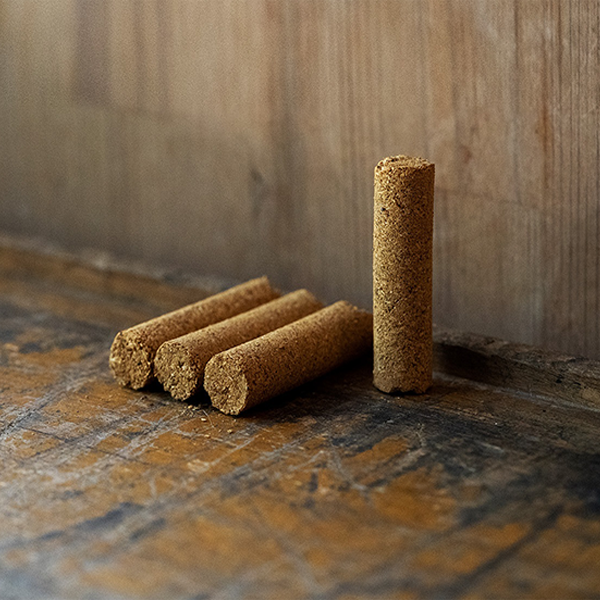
332, 491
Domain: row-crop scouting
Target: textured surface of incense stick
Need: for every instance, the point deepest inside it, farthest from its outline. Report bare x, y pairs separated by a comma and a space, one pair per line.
180, 363
276, 362
402, 274
133, 350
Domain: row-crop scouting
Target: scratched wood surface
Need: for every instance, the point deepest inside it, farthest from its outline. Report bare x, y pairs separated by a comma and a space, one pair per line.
333, 491
240, 137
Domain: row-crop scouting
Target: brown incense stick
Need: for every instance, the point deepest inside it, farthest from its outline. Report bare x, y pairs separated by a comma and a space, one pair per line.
180, 363
276, 362
402, 266
133, 350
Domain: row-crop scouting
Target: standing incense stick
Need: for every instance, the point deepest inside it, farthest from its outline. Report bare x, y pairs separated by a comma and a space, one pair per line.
133, 350
244, 376
402, 281
180, 363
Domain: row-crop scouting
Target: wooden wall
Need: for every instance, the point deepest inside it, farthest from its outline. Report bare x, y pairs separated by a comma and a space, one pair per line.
238, 137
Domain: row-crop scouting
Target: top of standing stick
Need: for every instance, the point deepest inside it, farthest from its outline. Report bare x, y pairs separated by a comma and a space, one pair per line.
393, 163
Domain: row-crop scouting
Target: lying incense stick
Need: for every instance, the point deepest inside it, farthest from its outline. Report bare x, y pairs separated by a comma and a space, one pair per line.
133, 350
180, 363
249, 374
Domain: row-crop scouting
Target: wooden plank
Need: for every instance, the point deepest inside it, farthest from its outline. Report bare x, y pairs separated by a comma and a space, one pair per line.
25, 258
334, 490
520, 367
239, 138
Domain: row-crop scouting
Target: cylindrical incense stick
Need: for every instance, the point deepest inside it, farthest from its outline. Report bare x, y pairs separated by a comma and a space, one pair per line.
180, 363
402, 282
244, 376
133, 350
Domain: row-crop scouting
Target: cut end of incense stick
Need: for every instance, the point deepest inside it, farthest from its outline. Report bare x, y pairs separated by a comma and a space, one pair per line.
130, 360
229, 389
177, 370
402, 162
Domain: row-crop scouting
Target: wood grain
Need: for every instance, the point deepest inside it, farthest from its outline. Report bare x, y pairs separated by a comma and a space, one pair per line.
334, 490
239, 138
